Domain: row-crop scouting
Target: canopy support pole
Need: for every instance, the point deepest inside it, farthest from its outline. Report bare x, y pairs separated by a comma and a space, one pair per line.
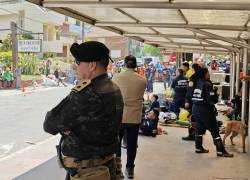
237, 73
232, 76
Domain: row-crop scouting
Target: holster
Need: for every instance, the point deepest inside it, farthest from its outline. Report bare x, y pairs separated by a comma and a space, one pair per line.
92, 169
92, 173
70, 162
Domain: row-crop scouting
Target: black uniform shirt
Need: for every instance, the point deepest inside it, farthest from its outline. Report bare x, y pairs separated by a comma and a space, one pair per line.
93, 114
190, 89
204, 94
179, 85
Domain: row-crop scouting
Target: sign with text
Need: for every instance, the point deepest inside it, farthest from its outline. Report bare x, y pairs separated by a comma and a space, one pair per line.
29, 45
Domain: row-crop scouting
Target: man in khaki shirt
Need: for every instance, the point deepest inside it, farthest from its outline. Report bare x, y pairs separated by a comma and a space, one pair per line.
132, 87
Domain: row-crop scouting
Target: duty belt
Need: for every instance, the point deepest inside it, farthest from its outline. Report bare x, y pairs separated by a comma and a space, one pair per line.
71, 162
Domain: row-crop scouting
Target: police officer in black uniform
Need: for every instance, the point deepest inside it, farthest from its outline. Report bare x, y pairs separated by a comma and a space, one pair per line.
204, 112
89, 117
188, 103
179, 85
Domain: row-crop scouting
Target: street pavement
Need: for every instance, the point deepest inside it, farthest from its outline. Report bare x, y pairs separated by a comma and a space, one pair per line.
43, 172
22, 116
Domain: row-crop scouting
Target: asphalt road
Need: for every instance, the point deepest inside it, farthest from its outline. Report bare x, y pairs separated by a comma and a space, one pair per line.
48, 170
22, 116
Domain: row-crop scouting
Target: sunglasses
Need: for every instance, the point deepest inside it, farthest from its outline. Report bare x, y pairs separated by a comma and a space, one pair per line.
77, 62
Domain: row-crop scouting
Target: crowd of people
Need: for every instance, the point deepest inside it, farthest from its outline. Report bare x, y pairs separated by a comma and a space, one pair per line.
99, 112
160, 72
54, 71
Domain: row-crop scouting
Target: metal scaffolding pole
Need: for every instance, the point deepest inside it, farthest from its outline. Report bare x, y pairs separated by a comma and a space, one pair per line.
237, 73
244, 87
232, 76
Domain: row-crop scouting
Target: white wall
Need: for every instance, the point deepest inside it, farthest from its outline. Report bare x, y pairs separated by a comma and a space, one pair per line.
34, 26
52, 46
5, 24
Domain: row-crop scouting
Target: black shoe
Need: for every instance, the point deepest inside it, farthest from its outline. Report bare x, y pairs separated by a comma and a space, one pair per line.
200, 151
224, 154
188, 138
129, 173
198, 145
221, 151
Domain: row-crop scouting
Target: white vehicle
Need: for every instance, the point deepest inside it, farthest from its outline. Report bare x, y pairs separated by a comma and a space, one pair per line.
150, 59
139, 61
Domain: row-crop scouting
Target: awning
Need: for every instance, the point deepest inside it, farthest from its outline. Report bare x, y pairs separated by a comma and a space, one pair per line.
219, 26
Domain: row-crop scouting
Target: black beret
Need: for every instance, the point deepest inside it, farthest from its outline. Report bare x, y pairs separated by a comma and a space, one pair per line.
90, 51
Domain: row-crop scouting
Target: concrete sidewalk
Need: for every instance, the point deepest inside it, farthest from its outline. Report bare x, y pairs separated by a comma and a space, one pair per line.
28, 90
165, 157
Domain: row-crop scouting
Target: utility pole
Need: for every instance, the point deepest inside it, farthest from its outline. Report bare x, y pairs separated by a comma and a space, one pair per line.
13, 28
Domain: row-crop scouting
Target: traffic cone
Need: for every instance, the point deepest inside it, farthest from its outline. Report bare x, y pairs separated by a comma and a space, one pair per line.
23, 89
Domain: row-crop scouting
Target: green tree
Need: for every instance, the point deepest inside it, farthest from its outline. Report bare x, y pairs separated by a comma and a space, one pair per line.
135, 48
6, 44
25, 36
27, 60
149, 50
28, 63
6, 58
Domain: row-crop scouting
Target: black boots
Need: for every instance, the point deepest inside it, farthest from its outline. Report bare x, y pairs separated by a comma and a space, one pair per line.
191, 135
189, 138
129, 173
198, 145
221, 151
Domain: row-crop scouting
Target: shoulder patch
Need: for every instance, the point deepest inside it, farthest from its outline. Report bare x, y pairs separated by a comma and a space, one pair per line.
191, 84
81, 85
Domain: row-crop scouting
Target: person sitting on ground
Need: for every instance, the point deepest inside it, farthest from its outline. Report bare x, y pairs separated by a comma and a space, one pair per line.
148, 126
155, 105
8, 77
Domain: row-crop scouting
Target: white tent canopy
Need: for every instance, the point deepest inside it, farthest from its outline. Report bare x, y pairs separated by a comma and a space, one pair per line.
183, 25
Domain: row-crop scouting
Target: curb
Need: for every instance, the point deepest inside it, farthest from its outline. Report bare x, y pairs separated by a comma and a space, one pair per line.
26, 159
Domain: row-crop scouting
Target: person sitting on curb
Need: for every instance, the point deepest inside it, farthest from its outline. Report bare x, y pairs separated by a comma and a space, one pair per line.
8, 78
149, 125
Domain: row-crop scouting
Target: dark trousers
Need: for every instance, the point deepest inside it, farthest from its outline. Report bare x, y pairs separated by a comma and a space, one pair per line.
192, 126
205, 120
150, 86
180, 103
132, 138
166, 83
